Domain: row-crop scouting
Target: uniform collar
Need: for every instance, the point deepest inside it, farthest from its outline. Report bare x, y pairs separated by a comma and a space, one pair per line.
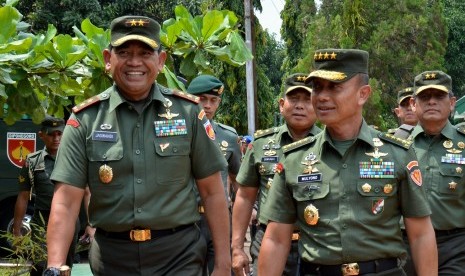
366, 134
116, 99
447, 131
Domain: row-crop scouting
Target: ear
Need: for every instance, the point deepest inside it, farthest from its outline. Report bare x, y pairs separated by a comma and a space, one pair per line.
365, 92
397, 111
161, 60
413, 104
453, 101
281, 105
106, 58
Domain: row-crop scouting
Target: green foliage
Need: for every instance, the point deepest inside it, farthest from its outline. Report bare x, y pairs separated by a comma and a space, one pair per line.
27, 249
403, 38
47, 72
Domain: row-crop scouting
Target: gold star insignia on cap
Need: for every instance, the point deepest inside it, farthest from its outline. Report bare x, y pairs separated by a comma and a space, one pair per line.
133, 22
433, 75
301, 78
333, 55
320, 55
326, 55
315, 56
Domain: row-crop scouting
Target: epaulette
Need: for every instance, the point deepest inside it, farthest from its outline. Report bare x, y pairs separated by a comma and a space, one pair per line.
186, 96
233, 130
260, 133
295, 145
395, 140
461, 129
34, 154
91, 101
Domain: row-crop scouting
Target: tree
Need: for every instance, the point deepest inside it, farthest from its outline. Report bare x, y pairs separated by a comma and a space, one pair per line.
455, 56
44, 72
403, 38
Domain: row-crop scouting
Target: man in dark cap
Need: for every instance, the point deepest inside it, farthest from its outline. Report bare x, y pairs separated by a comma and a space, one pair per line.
405, 114
209, 90
439, 146
140, 147
34, 177
257, 170
347, 187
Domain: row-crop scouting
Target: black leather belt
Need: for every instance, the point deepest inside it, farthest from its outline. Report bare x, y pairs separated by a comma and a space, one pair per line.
142, 234
358, 268
442, 233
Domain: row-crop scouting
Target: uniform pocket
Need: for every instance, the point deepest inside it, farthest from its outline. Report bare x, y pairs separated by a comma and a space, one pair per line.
173, 161
450, 183
377, 200
102, 153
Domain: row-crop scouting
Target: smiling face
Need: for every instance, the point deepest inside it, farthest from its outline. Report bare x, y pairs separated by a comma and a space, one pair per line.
134, 67
297, 110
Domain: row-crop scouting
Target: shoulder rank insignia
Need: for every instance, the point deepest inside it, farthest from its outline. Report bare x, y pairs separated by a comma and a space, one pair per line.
461, 129
91, 101
292, 146
186, 96
229, 128
395, 140
266, 132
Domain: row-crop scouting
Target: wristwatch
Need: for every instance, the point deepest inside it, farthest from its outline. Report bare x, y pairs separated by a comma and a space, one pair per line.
53, 271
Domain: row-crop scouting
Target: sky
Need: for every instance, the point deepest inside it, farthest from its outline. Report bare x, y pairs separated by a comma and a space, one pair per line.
270, 18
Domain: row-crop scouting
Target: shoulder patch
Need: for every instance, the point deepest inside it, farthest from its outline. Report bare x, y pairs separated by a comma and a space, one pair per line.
395, 140
461, 129
297, 144
91, 101
266, 132
230, 128
186, 96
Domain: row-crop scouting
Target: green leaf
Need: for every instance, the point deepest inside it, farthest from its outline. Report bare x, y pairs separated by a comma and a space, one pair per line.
24, 88
9, 17
239, 51
212, 21
5, 77
188, 67
181, 12
18, 46
2, 91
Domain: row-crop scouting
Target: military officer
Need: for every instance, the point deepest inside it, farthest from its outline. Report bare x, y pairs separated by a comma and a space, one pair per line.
209, 90
141, 148
257, 170
34, 177
404, 112
439, 147
347, 187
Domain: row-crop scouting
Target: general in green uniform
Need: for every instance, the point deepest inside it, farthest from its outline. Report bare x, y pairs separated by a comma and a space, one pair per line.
141, 148
347, 187
439, 147
258, 168
209, 89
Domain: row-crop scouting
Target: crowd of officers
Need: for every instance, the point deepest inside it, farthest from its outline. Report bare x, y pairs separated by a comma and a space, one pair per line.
345, 200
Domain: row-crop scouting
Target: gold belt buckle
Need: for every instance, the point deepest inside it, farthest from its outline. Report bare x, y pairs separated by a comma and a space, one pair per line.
350, 269
201, 209
295, 236
140, 235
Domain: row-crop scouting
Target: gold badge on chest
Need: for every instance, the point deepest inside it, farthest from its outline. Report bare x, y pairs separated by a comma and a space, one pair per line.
311, 215
105, 173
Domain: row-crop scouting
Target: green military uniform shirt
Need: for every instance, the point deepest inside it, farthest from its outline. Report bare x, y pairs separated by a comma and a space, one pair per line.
356, 199
227, 139
264, 153
154, 157
39, 165
442, 162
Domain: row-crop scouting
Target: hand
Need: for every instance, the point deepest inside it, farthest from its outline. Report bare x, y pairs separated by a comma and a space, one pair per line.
240, 262
88, 235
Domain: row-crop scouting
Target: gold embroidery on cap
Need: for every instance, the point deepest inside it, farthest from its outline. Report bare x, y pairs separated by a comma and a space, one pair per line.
324, 56
330, 75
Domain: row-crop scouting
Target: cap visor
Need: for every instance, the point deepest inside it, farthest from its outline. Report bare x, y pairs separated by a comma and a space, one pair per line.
431, 86
148, 41
292, 88
403, 98
332, 76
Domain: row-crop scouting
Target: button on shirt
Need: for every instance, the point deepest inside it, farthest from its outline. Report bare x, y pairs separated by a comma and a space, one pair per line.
355, 223
153, 173
442, 160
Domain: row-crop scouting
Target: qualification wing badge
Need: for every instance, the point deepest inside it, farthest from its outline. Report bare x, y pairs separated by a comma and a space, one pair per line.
168, 115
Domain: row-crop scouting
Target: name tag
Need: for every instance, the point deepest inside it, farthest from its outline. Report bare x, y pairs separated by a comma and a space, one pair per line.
105, 136
306, 178
270, 159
